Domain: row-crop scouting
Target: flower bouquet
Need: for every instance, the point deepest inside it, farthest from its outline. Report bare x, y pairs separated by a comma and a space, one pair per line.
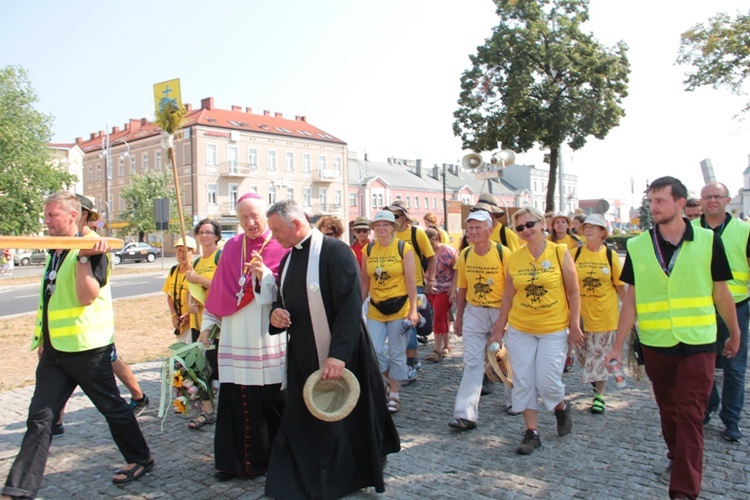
186, 377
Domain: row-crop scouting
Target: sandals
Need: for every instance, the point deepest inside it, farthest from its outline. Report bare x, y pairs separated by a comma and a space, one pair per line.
462, 424
434, 356
202, 419
597, 406
394, 405
134, 473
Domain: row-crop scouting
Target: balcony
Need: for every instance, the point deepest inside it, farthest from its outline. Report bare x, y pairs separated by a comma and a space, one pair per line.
325, 175
236, 169
318, 208
227, 209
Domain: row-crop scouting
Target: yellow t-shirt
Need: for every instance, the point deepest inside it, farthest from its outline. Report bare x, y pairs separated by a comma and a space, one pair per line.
206, 267
176, 287
385, 268
539, 305
569, 241
483, 276
424, 247
513, 243
596, 281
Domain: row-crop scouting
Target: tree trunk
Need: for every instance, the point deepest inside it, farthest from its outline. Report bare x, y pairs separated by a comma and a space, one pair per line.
554, 154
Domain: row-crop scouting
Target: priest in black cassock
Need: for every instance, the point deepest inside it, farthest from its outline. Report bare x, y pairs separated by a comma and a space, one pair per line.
320, 306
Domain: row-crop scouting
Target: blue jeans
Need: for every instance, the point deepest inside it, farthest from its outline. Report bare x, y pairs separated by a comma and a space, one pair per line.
413, 344
733, 391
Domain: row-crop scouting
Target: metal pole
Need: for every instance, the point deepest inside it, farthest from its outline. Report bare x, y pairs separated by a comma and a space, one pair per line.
108, 162
445, 202
562, 178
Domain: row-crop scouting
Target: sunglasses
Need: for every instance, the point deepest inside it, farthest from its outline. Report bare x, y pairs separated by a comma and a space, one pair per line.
528, 225
361, 230
396, 216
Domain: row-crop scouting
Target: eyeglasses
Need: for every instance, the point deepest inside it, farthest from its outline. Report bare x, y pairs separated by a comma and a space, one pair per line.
332, 235
528, 225
361, 231
713, 197
206, 233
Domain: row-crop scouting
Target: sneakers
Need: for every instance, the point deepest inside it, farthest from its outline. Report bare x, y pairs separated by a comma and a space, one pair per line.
732, 433
530, 441
411, 374
666, 475
422, 339
139, 407
564, 423
58, 429
568, 365
418, 365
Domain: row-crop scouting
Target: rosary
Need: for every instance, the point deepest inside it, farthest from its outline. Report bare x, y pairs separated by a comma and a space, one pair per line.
55, 263
244, 275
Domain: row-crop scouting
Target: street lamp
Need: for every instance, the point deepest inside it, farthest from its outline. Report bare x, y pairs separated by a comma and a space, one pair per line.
107, 145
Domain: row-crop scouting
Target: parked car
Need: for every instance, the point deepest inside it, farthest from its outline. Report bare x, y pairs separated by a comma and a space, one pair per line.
136, 252
24, 257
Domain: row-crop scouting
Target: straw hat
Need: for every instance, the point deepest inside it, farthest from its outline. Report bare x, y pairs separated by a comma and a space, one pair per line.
333, 399
561, 215
399, 205
488, 203
361, 223
88, 205
498, 367
190, 243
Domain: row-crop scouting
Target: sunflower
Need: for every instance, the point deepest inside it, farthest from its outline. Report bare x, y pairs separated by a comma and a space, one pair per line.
177, 382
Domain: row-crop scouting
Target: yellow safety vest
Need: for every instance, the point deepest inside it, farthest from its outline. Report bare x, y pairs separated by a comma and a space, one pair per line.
735, 237
73, 327
679, 307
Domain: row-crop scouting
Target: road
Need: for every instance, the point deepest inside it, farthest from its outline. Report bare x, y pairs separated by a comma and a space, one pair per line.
23, 299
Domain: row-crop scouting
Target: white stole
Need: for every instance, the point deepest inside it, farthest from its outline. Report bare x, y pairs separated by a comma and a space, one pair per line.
318, 316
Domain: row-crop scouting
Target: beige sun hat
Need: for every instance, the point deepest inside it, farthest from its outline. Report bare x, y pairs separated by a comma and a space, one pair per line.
331, 400
498, 367
488, 203
598, 220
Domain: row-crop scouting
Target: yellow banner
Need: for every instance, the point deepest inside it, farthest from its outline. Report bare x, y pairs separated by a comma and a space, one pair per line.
167, 93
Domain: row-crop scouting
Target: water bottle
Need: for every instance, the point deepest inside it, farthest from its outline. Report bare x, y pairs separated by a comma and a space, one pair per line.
405, 326
617, 373
494, 347
422, 321
422, 301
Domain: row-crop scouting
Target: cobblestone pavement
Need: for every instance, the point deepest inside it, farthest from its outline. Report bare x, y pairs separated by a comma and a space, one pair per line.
615, 455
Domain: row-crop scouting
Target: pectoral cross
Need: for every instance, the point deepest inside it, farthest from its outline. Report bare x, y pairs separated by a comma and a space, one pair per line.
239, 296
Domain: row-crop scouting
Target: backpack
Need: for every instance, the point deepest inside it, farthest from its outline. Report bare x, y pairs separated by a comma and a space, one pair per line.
423, 260
503, 238
400, 248
609, 260
216, 258
499, 251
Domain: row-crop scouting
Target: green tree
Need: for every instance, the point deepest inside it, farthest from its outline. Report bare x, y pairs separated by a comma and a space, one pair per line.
719, 53
644, 212
27, 174
540, 80
139, 197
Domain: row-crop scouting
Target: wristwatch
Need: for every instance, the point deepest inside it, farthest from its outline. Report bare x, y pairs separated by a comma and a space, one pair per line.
82, 259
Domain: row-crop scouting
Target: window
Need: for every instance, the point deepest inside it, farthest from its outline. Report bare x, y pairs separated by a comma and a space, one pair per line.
289, 162
98, 173
271, 194
289, 193
426, 202
187, 157
144, 162
233, 190
416, 202
157, 160
132, 165
91, 174
380, 200
121, 168
252, 158
210, 154
434, 202
337, 165
321, 162
306, 167
211, 189
374, 200
352, 199
322, 195
233, 156
306, 197
408, 201
271, 160
337, 196
121, 204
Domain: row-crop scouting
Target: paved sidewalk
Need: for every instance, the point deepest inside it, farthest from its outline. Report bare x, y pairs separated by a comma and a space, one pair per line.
616, 455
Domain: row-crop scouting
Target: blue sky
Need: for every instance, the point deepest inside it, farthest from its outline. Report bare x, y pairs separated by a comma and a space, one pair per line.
383, 76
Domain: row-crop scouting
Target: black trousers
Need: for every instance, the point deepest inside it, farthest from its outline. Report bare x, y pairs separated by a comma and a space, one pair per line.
56, 378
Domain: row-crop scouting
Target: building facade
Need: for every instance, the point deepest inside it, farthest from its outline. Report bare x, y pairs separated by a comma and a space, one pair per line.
221, 154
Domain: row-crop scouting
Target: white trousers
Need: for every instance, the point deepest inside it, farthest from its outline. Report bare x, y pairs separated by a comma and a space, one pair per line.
477, 327
538, 362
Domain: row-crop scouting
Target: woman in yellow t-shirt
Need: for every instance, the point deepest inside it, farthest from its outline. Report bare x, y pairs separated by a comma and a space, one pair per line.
389, 277
541, 306
201, 276
176, 288
599, 282
561, 233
